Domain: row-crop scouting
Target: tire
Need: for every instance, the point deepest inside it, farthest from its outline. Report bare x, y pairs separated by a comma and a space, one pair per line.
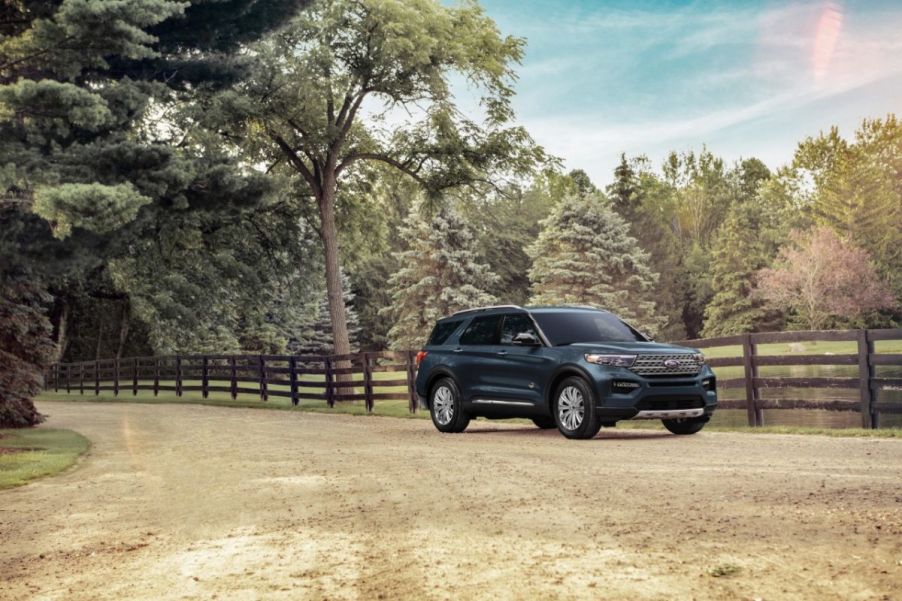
545, 423
446, 409
684, 427
571, 397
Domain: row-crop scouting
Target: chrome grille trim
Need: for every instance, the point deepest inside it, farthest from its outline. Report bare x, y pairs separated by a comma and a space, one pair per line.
653, 365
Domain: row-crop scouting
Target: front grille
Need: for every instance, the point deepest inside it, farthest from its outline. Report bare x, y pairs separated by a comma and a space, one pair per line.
653, 365
662, 403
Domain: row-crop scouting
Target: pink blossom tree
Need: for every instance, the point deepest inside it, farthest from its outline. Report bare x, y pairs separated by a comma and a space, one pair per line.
821, 276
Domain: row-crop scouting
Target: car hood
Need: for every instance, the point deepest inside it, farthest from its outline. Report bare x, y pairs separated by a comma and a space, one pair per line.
633, 347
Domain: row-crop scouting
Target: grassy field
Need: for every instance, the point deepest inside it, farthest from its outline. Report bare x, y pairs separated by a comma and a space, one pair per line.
724, 420
33, 453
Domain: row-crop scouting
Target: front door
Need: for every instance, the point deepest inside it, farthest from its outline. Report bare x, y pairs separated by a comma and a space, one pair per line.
524, 368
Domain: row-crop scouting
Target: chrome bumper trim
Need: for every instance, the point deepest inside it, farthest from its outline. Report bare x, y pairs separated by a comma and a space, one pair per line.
670, 414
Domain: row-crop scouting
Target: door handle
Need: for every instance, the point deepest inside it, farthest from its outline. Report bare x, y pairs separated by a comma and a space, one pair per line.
457, 350
502, 353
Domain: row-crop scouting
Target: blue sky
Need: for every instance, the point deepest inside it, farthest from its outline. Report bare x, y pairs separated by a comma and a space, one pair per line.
744, 78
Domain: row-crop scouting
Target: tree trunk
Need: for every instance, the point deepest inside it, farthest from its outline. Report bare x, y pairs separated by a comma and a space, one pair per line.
123, 329
61, 328
341, 343
334, 292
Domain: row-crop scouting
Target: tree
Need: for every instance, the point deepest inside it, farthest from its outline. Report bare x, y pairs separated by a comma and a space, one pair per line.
822, 278
315, 332
440, 273
746, 243
854, 188
302, 109
85, 168
585, 255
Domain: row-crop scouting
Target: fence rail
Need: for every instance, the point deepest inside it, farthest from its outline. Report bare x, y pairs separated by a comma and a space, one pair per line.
336, 378
329, 378
860, 392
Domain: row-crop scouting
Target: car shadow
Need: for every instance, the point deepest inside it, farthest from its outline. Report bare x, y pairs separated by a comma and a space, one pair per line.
605, 434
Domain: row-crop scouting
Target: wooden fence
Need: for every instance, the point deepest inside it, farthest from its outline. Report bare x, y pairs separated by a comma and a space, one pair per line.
329, 378
334, 378
859, 393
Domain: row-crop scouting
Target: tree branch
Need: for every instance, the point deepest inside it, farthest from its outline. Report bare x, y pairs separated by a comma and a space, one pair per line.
298, 164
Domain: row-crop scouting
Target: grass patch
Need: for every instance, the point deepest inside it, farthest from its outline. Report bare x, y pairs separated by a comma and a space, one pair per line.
33, 453
400, 409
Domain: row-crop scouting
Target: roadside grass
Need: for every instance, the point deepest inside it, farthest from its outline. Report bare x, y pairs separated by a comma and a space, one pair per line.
44, 452
399, 409
823, 347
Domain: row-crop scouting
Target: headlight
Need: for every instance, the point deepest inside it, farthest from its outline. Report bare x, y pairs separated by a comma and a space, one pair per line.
612, 360
699, 357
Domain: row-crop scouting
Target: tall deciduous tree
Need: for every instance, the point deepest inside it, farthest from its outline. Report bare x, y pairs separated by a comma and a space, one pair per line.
585, 255
440, 273
327, 91
823, 277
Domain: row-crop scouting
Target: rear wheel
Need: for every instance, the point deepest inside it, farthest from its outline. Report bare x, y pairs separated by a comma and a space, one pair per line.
574, 409
545, 423
684, 427
446, 408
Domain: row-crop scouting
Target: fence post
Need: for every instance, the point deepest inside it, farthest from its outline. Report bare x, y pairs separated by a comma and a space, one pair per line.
868, 418
205, 377
178, 375
96, 377
81, 378
367, 382
68, 377
755, 417
233, 378
293, 378
264, 395
411, 380
135, 376
156, 376
116, 377
330, 393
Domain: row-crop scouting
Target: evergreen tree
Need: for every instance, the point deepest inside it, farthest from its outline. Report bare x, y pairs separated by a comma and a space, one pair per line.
624, 193
747, 242
314, 335
440, 273
585, 255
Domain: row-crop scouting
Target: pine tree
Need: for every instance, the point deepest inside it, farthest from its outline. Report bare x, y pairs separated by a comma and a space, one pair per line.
440, 273
585, 255
746, 243
315, 333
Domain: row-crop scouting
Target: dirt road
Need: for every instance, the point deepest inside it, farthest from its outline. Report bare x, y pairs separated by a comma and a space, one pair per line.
191, 502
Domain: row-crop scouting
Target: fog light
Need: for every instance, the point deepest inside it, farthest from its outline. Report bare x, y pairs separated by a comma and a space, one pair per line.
624, 385
709, 384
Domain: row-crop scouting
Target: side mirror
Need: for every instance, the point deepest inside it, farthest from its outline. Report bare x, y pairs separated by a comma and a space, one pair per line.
526, 339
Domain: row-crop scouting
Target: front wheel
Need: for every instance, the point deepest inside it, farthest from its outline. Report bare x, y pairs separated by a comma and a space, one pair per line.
684, 427
446, 408
574, 409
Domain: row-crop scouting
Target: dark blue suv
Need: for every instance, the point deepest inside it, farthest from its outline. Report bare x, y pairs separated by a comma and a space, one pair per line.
574, 368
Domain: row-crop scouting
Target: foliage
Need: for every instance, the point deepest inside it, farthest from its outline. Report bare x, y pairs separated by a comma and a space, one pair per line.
822, 277
585, 255
314, 332
301, 110
26, 351
854, 188
439, 273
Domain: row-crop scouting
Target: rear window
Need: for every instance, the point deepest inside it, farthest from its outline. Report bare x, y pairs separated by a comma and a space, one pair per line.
482, 330
442, 331
585, 326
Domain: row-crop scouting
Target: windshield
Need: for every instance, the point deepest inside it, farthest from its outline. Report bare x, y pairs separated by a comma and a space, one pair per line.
585, 326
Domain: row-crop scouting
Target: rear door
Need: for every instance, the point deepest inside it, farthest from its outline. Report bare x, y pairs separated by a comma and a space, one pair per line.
477, 357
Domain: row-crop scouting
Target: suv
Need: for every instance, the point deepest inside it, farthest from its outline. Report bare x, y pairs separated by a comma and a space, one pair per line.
574, 368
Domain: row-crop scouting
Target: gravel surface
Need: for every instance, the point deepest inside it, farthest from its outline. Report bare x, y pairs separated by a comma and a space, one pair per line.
192, 502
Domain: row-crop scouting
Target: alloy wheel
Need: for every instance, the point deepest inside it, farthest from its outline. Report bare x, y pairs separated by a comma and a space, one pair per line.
571, 407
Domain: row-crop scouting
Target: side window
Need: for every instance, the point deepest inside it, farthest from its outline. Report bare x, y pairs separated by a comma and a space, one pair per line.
442, 331
482, 330
516, 324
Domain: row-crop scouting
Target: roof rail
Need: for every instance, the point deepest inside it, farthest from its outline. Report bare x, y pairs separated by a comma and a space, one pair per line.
475, 309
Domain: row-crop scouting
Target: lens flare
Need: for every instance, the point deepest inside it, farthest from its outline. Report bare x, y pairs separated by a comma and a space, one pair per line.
826, 35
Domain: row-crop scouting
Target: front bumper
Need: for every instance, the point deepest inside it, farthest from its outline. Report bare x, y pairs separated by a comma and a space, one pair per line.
663, 397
